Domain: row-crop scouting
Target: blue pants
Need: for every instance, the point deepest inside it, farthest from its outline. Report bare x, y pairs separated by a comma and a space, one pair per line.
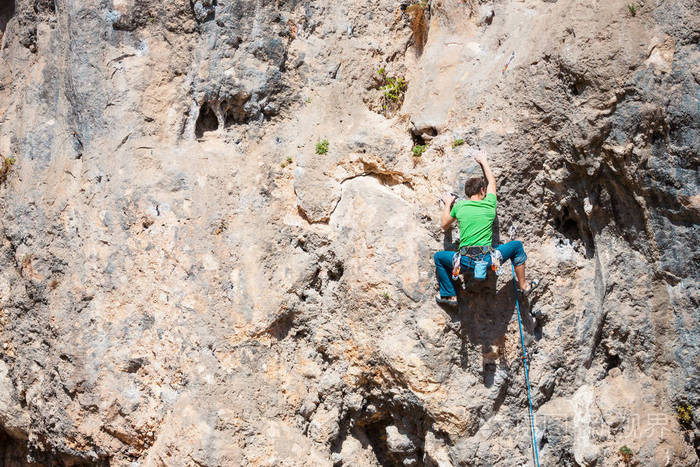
443, 264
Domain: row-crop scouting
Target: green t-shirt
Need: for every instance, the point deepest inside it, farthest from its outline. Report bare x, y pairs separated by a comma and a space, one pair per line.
475, 219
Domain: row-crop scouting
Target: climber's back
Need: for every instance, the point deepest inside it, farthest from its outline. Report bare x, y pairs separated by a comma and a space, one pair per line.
475, 219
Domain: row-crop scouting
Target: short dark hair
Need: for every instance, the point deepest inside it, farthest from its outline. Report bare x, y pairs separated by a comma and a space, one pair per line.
474, 186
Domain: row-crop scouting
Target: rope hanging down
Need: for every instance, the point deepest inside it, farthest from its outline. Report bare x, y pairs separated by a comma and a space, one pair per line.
527, 377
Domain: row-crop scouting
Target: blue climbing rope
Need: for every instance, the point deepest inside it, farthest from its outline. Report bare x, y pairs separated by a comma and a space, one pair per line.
527, 377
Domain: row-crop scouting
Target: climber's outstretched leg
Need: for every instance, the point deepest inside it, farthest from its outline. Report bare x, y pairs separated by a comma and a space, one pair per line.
443, 267
514, 251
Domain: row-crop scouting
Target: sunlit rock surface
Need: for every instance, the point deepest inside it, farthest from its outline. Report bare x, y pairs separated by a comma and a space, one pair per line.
184, 280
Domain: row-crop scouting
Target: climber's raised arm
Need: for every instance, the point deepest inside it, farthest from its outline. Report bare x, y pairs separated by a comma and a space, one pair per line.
446, 218
480, 157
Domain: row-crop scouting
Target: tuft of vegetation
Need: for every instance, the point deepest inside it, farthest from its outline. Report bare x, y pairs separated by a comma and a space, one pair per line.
394, 88
322, 146
286, 162
457, 142
632, 8
419, 24
7, 162
626, 454
386, 296
419, 149
308, 100
684, 413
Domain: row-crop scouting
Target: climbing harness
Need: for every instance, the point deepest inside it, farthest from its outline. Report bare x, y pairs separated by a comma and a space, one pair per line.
477, 254
527, 377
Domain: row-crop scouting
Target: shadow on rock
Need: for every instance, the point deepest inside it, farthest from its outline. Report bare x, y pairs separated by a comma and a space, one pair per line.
482, 320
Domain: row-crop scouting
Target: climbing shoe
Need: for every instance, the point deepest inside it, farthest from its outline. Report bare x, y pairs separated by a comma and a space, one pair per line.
533, 285
449, 301
537, 315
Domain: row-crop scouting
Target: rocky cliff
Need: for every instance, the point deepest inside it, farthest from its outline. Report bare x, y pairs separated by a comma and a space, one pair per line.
187, 279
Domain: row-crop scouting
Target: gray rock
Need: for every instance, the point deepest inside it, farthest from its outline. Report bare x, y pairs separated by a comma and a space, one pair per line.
184, 281
398, 442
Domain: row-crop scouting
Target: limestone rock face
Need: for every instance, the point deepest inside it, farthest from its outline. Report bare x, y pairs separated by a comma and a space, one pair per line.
184, 280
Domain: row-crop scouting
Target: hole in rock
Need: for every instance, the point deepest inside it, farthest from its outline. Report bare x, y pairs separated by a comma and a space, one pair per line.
395, 431
282, 327
432, 132
12, 451
612, 361
315, 282
417, 139
568, 225
41, 6
336, 272
7, 11
376, 434
234, 110
578, 87
569, 228
206, 121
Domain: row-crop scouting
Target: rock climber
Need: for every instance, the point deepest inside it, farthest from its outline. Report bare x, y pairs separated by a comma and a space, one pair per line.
475, 217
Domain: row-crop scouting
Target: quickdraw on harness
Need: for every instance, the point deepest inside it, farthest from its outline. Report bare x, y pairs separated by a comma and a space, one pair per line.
477, 255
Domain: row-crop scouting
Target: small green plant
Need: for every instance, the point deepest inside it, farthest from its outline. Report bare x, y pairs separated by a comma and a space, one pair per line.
308, 100
419, 149
684, 413
7, 162
386, 296
286, 162
632, 8
457, 142
626, 454
322, 146
394, 88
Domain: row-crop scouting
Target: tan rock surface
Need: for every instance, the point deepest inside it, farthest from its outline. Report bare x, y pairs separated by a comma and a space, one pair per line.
185, 281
